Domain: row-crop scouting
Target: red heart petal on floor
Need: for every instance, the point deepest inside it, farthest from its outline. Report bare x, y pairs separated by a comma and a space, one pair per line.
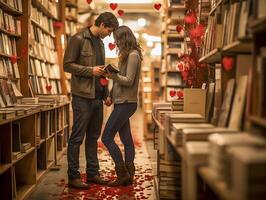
113, 6
111, 46
157, 6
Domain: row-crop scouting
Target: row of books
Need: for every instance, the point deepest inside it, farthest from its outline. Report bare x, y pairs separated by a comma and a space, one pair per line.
16, 4
227, 25
43, 53
7, 93
204, 7
71, 27
42, 20
41, 85
8, 70
37, 34
71, 12
9, 23
7, 44
42, 69
50, 5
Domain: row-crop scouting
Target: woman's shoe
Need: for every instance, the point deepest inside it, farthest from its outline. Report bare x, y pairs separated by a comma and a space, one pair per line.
122, 176
131, 170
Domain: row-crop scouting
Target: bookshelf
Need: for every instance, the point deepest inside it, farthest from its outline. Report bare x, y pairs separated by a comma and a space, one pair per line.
33, 135
172, 48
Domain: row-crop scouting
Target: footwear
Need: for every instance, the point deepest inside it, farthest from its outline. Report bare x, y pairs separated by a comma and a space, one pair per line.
78, 184
131, 170
122, 176
97, 180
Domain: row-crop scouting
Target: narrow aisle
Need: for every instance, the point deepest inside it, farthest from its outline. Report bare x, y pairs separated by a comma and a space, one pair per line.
54, 183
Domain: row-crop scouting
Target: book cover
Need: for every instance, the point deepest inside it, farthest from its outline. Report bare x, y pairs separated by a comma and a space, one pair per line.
111, 68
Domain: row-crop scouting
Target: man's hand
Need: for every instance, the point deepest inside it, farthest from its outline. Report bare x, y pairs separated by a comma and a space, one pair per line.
98, 70
108, 101
107, 74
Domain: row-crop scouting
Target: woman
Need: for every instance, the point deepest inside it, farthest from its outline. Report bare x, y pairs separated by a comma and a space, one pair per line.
124, 96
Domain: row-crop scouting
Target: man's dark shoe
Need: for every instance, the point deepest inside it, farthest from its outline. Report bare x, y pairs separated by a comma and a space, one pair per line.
97, 180
78, 184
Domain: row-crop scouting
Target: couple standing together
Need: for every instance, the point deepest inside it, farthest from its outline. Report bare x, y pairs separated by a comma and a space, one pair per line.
85, 58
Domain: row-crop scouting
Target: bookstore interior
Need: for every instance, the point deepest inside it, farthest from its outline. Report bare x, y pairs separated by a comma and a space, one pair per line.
200, 127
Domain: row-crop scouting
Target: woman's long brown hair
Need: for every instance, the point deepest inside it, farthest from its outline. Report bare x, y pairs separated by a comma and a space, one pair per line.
126, 42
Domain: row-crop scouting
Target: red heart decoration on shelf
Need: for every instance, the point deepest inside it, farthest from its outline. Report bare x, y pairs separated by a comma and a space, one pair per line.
104, 81
172, 93
113, 6
58, 24
179, 28
120, 12
180, 94
13, 59
190, 19
89, 1
228, 63
189, 82
157, 6
111, 46
48, 88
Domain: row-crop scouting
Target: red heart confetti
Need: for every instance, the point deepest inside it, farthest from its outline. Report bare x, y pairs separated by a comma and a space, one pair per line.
157, 6
89, 1
180, 94
113, 6
172, 93
179, 28
120, 12
228, 63
104, 81
111, 46
13, 59
58, 24
180, 67
48, 88
190, 19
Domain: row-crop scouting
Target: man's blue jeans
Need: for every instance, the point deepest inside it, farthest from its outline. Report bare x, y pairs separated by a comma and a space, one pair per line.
119, 122
88, 118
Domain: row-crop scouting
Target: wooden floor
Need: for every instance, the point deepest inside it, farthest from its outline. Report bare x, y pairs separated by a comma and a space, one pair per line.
54, 184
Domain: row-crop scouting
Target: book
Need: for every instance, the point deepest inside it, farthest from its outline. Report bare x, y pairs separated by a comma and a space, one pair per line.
111, 68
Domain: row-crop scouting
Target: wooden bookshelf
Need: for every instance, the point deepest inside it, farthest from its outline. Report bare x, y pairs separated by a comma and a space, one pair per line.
212, 57
31, 137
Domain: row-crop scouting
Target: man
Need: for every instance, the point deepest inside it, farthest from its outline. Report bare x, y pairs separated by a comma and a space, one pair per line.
84, 59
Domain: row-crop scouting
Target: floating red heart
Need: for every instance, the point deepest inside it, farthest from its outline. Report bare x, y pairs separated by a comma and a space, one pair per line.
58, 24
113, 6
157, 6
228, 63
180, 94
179, 28
48, 88
104, 81
172, 93
13, 59
111, 46
120, 12
89, 1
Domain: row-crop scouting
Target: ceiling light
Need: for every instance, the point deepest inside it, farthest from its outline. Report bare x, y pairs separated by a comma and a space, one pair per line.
141, 22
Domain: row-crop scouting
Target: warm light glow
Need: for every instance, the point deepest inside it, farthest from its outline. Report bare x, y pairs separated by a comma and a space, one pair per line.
141, 22
136, 35
157, 50
149, 43
120, 21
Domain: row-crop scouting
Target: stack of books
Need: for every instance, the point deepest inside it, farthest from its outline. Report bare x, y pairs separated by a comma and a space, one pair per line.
177, 105
219, 160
